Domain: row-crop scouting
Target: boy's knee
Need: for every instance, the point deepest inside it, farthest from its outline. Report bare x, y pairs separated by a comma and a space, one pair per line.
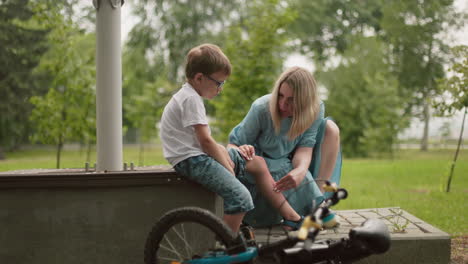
257, 164
332, 131
259, 161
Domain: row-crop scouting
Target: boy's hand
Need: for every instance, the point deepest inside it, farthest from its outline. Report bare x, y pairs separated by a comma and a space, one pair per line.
231, 163
247, 151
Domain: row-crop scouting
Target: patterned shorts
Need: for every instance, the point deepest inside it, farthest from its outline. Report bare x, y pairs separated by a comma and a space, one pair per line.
206, 171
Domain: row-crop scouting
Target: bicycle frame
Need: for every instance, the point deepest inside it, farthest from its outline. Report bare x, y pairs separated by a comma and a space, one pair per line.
213, 258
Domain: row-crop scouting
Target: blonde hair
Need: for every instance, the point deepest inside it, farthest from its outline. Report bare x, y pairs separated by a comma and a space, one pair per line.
206, 59
306, 104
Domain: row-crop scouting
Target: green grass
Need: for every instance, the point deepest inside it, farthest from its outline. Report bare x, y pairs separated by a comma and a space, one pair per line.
412, 180
73, 157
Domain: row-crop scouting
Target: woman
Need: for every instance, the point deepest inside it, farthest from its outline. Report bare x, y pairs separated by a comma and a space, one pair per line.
301, 149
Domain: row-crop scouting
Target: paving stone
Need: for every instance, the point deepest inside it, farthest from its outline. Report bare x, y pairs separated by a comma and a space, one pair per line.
356, 220
369, 215
383, 212
419, 243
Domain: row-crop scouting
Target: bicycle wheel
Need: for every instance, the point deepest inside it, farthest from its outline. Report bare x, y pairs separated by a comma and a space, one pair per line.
186, 233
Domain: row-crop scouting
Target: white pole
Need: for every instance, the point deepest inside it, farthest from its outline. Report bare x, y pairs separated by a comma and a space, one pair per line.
109, 86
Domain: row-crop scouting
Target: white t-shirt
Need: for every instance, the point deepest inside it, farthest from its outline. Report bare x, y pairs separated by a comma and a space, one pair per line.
184, 110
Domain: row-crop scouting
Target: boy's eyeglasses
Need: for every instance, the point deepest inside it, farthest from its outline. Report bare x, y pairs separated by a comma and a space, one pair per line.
220, 84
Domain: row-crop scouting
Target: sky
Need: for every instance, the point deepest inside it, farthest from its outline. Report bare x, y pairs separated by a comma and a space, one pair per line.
460, 37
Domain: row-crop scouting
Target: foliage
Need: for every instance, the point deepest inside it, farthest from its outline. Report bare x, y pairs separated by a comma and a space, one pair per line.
397, 221
452, 92
143, 106
324, 28
412, 30
408, 33
155, 52
22, 42
362, 97
67, 111
456, 87
145, 87
179, 25
418, 55
144, 111
256, 48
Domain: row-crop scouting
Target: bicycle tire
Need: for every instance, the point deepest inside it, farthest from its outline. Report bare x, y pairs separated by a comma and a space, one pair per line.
193, 241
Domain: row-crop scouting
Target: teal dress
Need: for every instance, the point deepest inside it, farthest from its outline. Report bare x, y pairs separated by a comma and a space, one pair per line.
257, 129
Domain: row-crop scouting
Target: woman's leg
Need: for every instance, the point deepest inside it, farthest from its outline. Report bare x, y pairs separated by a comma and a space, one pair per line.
265, 182
329, 152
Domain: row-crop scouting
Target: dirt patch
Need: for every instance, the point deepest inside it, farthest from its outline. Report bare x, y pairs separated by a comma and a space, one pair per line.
459, 251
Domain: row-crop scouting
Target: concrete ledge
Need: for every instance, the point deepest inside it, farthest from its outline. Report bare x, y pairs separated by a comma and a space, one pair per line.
413, 240
53, 178
72, 216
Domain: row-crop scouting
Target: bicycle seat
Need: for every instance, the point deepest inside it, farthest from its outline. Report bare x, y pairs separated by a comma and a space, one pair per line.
374, 234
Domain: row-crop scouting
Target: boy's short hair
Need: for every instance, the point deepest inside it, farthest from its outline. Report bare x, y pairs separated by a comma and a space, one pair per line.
206, 59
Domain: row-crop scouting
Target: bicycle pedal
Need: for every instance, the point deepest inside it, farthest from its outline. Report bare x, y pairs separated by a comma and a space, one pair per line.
219, 246
249, 236
239, 245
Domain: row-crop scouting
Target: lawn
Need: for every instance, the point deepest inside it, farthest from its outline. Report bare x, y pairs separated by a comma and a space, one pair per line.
412, 180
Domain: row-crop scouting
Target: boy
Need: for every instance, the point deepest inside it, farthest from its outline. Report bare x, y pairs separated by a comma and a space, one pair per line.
186, 136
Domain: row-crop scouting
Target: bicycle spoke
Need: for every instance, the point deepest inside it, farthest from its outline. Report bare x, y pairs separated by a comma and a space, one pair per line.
169, 259
169, 250
180, 236
183, 238
172, 249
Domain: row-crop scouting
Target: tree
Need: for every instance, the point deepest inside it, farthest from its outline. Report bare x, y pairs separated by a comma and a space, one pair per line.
256, 48
412, 28
67, 111
324, 28
178, 25
145, 88
445, 131
22, 42
452, 95
145, 111
363, 99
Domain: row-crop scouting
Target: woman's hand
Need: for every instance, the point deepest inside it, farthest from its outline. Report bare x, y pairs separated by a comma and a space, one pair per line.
301, 162
290, 181
247, 151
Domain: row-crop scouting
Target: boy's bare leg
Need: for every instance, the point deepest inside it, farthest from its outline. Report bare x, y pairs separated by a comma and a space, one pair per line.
234, 221
264, 181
